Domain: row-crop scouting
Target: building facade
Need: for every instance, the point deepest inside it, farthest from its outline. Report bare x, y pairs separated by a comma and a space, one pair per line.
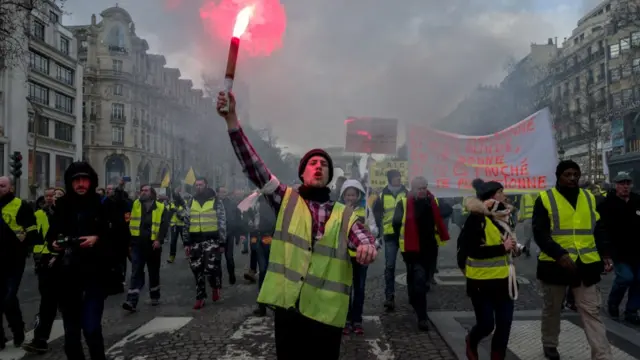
140, 118
42, 95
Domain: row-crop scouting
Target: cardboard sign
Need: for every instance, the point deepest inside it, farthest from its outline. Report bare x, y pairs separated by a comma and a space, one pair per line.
378, 175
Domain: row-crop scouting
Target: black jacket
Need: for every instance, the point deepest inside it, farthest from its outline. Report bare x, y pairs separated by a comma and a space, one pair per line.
235, 224
551, 272
267, 219
82, 215
118, 205
621, 220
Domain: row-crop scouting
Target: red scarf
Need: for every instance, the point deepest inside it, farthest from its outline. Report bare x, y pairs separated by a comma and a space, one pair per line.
411, 237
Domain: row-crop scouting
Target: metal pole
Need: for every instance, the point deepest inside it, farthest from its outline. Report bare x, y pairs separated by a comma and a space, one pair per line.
36, 120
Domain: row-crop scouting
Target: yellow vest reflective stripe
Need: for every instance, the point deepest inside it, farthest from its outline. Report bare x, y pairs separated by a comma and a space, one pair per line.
10, 215
42, 222
526, 207
572, 228
203, 218
136, 219
404, 222
493, 268
389, 203
317, 278
361, 215
175, 221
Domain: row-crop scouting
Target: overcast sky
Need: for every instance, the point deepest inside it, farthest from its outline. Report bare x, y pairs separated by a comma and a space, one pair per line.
413, 61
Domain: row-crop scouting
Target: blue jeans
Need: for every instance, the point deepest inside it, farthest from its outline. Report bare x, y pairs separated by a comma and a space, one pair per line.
356, 300
262, 252
173, 244
627, 278
492, 314
391, 247
82, 306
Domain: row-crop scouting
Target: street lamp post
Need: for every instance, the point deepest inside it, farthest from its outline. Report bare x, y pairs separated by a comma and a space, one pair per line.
33, 186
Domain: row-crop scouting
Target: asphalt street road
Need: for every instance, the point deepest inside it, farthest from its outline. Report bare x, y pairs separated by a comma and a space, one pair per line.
228, 330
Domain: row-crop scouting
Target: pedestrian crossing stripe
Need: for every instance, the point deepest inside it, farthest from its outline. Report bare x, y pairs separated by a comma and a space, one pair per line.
13, 353
253, 332
157, 325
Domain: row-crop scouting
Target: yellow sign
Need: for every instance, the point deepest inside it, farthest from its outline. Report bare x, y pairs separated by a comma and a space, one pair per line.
378, 172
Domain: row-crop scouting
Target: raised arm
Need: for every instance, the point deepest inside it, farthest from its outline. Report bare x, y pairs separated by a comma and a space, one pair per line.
252, 165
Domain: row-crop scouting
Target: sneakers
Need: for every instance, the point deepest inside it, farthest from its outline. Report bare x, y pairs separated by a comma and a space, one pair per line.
346, 330
215, 295
36, 347
128, 306
250, 276
423, 325
357, 329
171, 259
551, 353
390, 304
199, 304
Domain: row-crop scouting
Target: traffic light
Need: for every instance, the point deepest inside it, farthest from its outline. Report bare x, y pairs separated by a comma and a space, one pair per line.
16, 164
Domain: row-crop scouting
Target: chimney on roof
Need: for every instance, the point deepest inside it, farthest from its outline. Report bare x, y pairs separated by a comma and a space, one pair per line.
550, 41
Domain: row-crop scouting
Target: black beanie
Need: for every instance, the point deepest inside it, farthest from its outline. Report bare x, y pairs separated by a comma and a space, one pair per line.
488, 189
477, 186
311, 153
566, 164
392, 174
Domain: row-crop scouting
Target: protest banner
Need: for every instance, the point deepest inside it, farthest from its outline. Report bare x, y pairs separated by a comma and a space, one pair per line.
522, 157
371, 135
378, 172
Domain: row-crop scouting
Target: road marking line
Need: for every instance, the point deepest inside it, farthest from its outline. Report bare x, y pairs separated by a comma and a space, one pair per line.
157, 325
13, 353
252, 332
379, 347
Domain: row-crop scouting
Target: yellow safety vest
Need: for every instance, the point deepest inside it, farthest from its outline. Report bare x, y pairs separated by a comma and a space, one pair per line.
493, 268
361, 214
526, 207
175, 221
404, 222
315, 277
204, 218
42, 222
10, 215
572, 228
389, 203
136, 219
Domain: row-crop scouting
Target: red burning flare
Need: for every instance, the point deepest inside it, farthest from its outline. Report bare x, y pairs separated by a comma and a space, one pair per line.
264, 32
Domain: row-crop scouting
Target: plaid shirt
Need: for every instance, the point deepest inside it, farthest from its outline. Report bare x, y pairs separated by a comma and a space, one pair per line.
260, 175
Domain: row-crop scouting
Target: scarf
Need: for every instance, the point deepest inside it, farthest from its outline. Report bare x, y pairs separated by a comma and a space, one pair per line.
320, 195
411, 236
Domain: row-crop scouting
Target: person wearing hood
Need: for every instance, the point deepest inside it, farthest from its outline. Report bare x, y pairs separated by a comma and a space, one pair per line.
485, 250
310, 274
205, 242
18, 232
419, 226
573, 247
148, 227
353, 194
620, 212
383, 210
78, 231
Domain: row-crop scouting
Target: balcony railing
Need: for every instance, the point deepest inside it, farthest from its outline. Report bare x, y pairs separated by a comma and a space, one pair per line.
118, 118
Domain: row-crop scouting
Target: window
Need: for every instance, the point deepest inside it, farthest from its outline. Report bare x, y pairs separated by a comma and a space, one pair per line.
614, 51
38, 93
616, 100
589, 77
63, 131
635, 39
602, 72
64, 45
42, 126
626, 71
37, 29
627, 96
624, 45
578, 105
636, 66
53, 17
64, 74
117, 135
62, 163
576, 84
38, 62
117, 65
614, 74
117, 111
42, 168
64, 103
117, 89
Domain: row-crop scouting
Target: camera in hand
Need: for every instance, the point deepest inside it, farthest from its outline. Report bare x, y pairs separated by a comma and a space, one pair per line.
68, 241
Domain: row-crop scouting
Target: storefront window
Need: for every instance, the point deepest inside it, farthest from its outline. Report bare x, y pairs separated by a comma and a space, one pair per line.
62, 163
42, 169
